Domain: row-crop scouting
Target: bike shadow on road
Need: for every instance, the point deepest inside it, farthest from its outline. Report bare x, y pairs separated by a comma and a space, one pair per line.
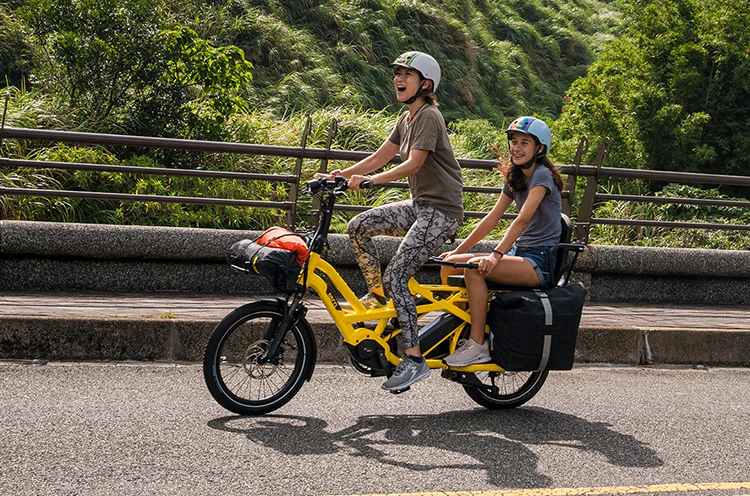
497, 442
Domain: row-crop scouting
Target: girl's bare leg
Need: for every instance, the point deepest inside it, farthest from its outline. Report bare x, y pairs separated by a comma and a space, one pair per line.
509, 270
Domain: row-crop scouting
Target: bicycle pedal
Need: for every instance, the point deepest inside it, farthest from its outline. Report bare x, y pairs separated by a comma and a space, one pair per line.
399, 391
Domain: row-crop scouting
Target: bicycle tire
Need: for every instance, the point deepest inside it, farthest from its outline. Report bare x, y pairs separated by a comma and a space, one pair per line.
234, 373
516, 388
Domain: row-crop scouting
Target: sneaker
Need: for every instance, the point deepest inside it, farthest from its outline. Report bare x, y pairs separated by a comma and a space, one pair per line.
370, 301
468, 352
407, 373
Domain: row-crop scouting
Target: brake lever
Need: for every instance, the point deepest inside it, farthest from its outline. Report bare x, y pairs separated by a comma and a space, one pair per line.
314, 186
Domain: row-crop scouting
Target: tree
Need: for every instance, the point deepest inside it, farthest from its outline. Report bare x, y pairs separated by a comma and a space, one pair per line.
98, 53
672, 93
199, 87
125, 65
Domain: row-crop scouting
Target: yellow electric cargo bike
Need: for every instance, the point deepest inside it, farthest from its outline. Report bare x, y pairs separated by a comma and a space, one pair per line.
260, 355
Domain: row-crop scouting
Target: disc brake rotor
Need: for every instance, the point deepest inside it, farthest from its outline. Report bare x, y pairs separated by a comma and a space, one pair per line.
254, 366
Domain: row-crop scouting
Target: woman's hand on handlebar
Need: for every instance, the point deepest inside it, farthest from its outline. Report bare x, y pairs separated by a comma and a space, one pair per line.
336, 183
355, 182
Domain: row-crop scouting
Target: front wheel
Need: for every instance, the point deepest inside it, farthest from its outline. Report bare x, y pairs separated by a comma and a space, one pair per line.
236, 373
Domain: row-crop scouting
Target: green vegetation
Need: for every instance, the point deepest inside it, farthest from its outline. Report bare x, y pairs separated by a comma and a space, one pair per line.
667, 237
148, 67
667, 80
672, 92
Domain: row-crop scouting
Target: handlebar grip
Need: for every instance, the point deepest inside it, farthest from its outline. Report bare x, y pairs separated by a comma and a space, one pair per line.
338, 183
314, 185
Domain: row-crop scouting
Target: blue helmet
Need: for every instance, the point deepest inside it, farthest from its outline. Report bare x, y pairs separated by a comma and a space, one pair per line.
534, 127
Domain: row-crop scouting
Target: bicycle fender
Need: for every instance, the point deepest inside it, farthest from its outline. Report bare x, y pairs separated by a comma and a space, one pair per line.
313, 345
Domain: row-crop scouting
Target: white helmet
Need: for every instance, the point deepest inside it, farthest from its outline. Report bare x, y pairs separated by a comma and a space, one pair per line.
425, 64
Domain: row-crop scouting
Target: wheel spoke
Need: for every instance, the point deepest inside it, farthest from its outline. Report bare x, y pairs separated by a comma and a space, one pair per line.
512, 388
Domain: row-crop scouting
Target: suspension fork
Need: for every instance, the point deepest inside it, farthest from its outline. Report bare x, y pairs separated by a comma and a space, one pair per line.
291, 314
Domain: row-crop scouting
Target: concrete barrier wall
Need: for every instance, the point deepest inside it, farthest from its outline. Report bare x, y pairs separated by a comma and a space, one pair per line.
86, 257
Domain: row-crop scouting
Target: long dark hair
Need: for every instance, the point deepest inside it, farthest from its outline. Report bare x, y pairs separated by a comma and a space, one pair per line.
513, 174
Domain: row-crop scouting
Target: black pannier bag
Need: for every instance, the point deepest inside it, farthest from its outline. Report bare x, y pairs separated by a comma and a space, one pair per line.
535, 330
279, 266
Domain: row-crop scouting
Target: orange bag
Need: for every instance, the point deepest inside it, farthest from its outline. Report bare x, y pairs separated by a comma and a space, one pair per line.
278, 237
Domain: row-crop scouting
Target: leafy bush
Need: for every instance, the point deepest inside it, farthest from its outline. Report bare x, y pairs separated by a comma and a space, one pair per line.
123, 65
16, 54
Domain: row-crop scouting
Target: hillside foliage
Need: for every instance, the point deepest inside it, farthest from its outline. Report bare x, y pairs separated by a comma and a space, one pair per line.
666, 80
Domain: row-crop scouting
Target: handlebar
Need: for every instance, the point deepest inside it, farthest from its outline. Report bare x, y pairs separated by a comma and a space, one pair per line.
338, 184
458, 265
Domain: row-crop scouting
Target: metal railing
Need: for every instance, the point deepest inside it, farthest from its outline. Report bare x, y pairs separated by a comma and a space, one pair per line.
585, 219
290, 206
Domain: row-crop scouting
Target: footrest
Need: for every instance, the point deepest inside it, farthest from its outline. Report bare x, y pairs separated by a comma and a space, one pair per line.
468, 379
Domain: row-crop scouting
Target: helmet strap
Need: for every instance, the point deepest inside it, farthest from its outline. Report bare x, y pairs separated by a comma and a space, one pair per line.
419, 93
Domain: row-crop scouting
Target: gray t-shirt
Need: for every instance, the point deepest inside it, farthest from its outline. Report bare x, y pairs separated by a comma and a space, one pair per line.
438, 183
545, 227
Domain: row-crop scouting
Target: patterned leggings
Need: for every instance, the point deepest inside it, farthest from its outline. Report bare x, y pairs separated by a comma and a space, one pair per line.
425, 230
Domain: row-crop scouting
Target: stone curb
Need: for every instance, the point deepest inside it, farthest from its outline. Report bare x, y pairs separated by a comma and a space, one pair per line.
46, 256
174, 340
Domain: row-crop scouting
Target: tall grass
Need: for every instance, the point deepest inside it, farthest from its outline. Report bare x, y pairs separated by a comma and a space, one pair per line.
499, 58
363, 131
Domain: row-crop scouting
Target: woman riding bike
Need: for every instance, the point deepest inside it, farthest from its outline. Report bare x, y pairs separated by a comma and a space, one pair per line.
522, 256
426, 221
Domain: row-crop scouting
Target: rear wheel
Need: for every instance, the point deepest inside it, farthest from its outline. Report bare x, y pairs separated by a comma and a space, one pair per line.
236, 373
504, 389
512, 388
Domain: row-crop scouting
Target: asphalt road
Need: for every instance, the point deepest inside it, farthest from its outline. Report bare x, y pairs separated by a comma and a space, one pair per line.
136, 429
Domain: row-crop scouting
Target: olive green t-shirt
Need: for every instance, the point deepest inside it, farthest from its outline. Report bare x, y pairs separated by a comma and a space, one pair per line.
438, 182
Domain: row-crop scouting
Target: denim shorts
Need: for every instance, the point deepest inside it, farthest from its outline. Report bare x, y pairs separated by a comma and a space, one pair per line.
538, 256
